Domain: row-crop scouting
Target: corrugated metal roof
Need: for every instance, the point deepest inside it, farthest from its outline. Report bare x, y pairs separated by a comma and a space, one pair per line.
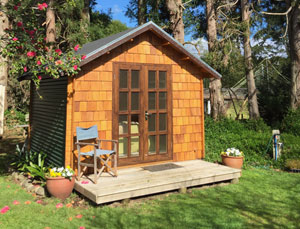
97, 48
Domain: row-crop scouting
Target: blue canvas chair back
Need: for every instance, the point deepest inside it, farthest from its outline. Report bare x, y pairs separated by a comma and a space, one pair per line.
86, 133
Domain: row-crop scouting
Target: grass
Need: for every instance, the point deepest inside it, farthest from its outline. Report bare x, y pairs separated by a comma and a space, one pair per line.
262, 199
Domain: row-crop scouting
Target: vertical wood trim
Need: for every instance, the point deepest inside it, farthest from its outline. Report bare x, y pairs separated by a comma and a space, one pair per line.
30, 113
170, 111
202, 119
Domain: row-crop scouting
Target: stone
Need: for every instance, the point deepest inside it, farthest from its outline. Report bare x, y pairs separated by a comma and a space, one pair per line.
40, 191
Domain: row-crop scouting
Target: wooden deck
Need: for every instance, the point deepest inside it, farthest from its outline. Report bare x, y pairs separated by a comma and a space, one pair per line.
137, 181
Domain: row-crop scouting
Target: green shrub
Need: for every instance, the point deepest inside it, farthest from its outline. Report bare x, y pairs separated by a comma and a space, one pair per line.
14, 117
251, 137
293, 164
291, 122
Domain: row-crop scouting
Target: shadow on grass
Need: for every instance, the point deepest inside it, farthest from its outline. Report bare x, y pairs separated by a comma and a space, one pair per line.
260, 201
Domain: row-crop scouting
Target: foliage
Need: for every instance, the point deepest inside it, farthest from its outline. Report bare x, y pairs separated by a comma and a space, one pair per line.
14, 117
251, 137
293, 164
291, 122
61, 172
30, 162
234, 206
26, 47
155, 11
37, 169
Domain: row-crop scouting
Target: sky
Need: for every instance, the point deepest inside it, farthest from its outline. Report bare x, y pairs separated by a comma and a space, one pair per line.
118, 10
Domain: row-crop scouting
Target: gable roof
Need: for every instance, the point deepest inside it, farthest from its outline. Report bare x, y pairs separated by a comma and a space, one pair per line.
99, 47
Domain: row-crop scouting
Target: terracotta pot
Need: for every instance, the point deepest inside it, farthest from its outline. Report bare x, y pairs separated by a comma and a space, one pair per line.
234, 162
60, 187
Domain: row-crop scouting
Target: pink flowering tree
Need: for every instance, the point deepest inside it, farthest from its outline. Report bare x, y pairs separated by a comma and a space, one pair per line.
24, 44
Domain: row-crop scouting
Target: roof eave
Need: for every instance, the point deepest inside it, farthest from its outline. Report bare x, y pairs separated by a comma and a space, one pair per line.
139, 30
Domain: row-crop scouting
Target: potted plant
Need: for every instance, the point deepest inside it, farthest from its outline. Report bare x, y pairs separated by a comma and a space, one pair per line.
60, 182
233, 157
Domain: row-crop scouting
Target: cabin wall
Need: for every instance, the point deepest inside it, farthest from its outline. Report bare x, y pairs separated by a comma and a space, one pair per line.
90, 100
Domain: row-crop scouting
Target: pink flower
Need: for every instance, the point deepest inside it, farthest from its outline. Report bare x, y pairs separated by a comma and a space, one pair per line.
59, 205
75, 67
15, 39
39, 201
58, 51
31, 32
16, 202
79, 216
83, 57
81, 227
38, 62
45, 4
84, 182
31, 54
25, 69
76, 48
40, 78
16, 8
41, 7
58, 62
19, 24
46, 68
4, 210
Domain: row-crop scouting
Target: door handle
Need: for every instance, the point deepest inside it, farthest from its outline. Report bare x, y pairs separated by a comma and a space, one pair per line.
147, 115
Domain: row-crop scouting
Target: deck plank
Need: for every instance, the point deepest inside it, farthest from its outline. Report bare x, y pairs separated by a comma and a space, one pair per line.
134, 182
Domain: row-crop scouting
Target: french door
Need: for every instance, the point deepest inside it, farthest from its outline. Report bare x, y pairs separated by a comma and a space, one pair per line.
142, 113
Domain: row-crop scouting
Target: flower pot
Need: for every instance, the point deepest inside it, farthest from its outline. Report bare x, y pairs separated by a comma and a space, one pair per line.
234, 162
60, 187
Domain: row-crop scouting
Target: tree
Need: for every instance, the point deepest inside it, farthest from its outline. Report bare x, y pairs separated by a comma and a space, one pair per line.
3, 71
141, 12
252, 92
215, 85
175, 8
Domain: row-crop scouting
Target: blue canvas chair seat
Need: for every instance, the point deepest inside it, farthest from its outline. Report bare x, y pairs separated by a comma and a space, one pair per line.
97, 154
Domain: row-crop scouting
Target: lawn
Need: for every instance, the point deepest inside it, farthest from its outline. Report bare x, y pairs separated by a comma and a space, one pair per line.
262, 199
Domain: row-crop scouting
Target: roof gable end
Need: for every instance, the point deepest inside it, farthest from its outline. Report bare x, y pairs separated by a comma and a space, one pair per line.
97, 48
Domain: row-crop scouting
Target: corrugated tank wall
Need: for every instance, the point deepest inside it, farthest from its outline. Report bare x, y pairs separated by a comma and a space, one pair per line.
48, 120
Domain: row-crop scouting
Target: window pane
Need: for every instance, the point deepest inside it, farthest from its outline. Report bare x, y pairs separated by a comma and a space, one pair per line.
123, 78
163, 143
123, 124
135, 102
135, 143
151, 101
162, 79
135, 78
152, 122
152, 144
123, 147
151, 79
162, 100
123, 101
162, 121
134, 127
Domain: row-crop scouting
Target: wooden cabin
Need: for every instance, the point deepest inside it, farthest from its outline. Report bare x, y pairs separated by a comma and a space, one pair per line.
140, 86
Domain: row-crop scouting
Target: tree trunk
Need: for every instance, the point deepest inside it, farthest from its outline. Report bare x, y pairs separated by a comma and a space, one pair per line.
85, 15
50, 19
175, 9
252, 92
294, 42
3, 71
141, 12
215, 85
